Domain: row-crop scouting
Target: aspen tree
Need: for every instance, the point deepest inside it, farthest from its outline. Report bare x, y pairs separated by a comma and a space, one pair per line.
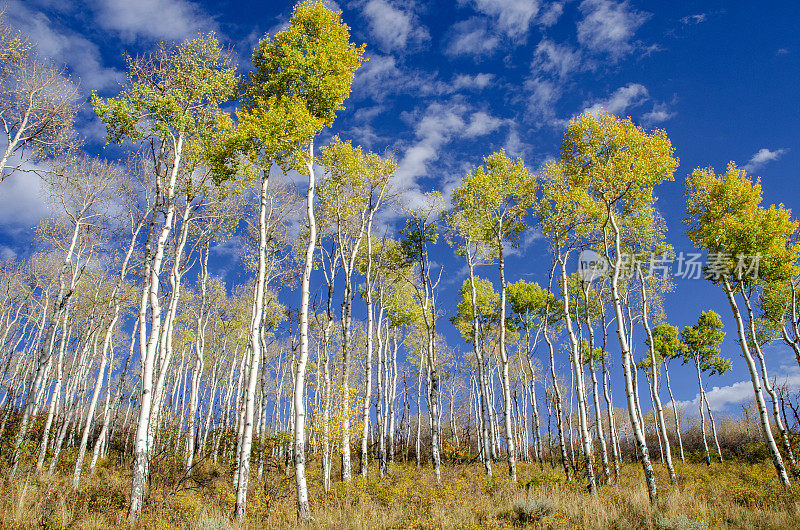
475, 313
726, 218
305, 70
420, 232
352, 193
566, 222
82, 187
652, 285
38, 104
780, 309
667, 346
528, 301
592, 307
495, 198
609, 167
552, 317
476, 252
701, 347
170, 101
763, 332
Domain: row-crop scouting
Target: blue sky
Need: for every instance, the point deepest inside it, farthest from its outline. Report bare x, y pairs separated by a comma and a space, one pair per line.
449, 82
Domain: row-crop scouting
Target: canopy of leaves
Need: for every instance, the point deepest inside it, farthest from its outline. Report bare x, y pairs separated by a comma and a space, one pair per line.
725, 217
776, 300
591, 355
607, 166
175, 90
666, 344
487, 301
353, 177
495, 198
701, 342
312, 60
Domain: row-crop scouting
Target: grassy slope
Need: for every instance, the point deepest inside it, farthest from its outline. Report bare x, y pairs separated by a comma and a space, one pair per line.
729, 495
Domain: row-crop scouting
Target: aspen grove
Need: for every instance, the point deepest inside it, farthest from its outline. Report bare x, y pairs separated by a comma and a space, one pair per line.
347, 350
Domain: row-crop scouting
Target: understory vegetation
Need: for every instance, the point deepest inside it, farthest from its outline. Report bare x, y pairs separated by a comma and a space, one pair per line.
728, 495
741, 492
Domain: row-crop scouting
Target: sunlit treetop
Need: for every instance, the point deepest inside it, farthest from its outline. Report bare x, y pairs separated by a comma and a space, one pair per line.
353, 176
615, 161
302, 76
495, 198
606, 166
528, 299
726, 218
177, 89
312, 60
666, 344
702, 341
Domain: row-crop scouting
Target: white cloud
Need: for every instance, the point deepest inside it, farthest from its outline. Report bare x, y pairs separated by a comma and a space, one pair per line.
471, 37
542, 96
153, 19
472, 82
375, 74
7, 253
22, 202
436, 128
721, 398
762, 157
552, 12
659, 114
364, 132
393, 27
381, 76
64, 47
630, 95
514, 145
482, 124
528, 239
438, 125
512, 17
556, 59
609, 26
694, 19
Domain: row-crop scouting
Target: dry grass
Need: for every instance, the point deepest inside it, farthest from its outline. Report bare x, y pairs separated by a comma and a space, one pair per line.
730, 495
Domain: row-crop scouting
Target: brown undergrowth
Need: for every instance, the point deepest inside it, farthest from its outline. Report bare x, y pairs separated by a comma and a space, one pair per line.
728, 495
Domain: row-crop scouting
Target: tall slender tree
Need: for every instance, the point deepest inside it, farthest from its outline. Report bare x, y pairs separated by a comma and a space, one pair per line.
170, 103
496, 197
747, 244
307, 67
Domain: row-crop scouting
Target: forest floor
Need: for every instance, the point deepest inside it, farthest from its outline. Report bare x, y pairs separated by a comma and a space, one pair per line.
727, 495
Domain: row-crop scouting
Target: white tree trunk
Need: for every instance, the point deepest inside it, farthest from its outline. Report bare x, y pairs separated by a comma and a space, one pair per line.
580, 389
98, 386
148, 349
626, 365
484, 405
512, 462
303, 511
661, 425
254, 343
777, 460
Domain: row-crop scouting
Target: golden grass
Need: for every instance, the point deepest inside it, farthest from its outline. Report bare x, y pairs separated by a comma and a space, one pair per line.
729, 495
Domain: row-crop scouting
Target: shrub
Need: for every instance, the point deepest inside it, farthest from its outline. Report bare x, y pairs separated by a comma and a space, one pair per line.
532, 507
680, 522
